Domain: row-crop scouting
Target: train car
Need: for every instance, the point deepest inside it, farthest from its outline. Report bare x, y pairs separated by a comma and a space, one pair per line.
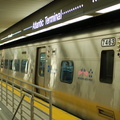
81, 67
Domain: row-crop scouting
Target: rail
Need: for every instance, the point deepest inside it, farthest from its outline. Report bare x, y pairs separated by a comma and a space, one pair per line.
12, 91
18, 107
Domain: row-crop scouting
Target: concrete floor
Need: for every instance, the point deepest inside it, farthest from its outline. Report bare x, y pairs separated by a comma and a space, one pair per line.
5, 114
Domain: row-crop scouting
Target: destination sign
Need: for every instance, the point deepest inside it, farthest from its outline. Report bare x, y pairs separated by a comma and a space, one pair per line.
56, 14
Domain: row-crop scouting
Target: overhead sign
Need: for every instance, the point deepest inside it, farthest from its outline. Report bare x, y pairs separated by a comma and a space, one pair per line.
56, 14
47, 20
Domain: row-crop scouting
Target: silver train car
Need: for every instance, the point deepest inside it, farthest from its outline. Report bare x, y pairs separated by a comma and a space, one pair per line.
81, 68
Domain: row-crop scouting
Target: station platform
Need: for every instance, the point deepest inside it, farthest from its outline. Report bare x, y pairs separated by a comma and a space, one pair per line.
5, 114
16, 104
58, 114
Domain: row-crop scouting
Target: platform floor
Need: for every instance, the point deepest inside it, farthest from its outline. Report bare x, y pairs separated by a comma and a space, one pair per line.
57, 114
5, 114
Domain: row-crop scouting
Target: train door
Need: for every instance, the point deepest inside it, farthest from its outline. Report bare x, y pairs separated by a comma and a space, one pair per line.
40, 68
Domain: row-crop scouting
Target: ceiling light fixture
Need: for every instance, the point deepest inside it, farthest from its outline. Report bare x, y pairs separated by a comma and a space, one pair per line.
109, 9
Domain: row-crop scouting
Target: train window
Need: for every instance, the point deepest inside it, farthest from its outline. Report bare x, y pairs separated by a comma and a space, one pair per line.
42, 64
10, 64
17, 64
107, 64
2, 63
24, 66
6, 64
67, 69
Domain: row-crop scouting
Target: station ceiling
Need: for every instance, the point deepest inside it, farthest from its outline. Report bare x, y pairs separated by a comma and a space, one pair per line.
12, 11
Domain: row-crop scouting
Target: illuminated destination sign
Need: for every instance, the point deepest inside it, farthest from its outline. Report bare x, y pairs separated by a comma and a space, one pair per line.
56, 14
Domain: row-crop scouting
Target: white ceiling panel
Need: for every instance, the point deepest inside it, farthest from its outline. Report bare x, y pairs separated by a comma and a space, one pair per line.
12, 11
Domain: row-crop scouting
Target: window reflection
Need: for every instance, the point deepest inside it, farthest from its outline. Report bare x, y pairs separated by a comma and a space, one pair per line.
67, 69
42, 64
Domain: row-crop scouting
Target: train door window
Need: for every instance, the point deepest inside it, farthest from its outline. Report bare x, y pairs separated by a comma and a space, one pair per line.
42, 64
24, 66
10, 64
17, 64
6, 64
67, 69
107, 65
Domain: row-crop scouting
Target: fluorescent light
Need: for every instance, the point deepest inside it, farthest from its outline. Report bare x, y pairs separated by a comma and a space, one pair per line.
109, 9
13, 40
78, 19
61, 24
21, 37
